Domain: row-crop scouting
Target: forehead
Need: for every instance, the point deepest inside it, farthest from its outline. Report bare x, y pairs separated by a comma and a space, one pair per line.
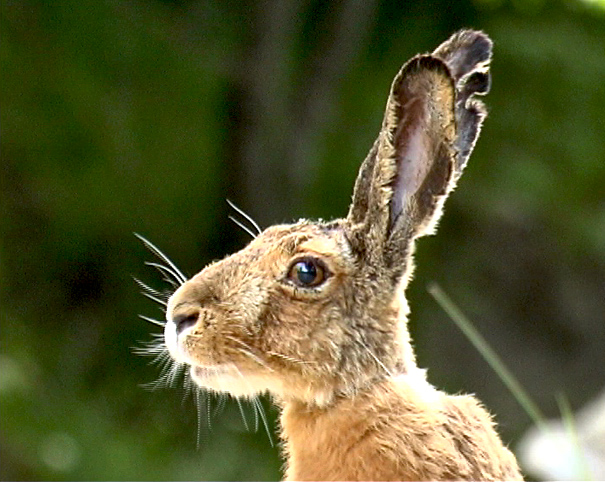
303, 236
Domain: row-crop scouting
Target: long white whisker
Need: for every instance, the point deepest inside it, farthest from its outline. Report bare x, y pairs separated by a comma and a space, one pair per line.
196, 393
151, 320
196, 400
291, 359
241, 411
188, 388
263, 417
171, 371
246, 350
241, 375
388, 372
220, 404
255, 410
247, 216
154, 347
209, 411
167, 271
257, 404
181, 277
198, 404
146, 288
255, 358
155, 298
243, 226
258, 408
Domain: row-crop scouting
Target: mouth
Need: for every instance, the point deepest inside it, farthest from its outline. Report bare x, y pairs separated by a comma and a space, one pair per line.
223, 377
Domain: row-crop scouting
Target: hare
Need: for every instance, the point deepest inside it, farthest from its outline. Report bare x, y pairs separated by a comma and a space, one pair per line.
315, 313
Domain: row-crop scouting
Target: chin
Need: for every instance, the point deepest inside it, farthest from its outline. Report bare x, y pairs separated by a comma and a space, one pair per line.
230, 379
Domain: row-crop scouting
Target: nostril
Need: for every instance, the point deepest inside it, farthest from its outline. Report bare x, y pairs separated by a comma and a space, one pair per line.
185, 321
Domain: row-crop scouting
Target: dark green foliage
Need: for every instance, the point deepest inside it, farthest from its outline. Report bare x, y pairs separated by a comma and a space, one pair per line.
121, 117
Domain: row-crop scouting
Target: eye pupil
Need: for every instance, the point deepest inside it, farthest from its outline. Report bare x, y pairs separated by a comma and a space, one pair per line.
306, 272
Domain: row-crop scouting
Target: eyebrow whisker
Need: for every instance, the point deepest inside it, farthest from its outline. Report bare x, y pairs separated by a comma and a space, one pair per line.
245, 215
243, 226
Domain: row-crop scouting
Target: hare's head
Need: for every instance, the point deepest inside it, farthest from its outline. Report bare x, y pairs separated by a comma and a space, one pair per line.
313, 310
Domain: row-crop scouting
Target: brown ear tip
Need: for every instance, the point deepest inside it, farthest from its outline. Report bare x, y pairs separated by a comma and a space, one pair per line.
475, 39
465, 52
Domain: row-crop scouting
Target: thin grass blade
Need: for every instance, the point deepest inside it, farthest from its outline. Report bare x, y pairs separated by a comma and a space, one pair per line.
490, 356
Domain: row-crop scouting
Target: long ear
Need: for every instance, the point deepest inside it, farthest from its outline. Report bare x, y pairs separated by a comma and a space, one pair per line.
429, 130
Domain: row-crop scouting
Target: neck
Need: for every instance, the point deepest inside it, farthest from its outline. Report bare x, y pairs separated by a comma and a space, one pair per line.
400, 428
339, 441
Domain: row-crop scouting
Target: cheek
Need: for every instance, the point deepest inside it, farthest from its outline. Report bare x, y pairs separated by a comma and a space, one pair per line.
308, 334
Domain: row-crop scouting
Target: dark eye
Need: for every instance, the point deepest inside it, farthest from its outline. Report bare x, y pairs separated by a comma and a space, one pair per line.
308, 272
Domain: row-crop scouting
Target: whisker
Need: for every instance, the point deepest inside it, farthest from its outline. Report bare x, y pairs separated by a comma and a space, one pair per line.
258, 409
291, 358
175, 281
155, 298
163, 358
256, 417
220, 405
150, 292
198, 404
388, 372
241, 225
246, 216
181, 277
154, 348
255, 358
150, 350
245, 349
241, 411
168, 372
209, 412
263, 417
147, 289
169, 369
153, 321
188, 386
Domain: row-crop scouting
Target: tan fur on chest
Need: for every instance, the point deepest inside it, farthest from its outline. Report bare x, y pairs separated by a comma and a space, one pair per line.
395, 431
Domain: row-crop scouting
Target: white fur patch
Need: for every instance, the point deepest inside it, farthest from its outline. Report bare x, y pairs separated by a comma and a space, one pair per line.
228, 378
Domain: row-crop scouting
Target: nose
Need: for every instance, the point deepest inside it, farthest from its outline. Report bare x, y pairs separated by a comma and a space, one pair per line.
185, 320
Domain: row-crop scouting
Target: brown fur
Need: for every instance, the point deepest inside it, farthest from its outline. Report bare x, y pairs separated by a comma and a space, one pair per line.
395, 431
337, 356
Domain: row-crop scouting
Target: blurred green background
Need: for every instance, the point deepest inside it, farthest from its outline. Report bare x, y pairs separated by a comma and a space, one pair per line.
144, 116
